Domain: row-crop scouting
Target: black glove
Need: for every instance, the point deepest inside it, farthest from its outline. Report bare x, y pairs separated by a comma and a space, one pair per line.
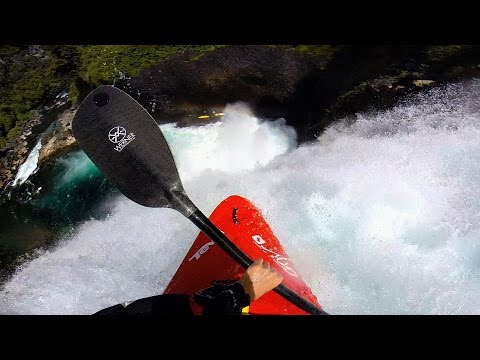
223, 299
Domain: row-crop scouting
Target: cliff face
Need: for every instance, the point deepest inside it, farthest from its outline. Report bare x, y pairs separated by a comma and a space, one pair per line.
309, 86
264, 77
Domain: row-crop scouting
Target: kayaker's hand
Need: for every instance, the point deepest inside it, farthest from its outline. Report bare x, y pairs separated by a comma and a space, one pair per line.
259, 278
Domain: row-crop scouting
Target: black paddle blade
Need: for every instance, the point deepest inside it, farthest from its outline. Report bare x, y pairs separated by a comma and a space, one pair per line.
126, 144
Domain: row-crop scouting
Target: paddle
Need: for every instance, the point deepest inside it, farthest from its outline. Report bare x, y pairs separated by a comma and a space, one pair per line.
127, 145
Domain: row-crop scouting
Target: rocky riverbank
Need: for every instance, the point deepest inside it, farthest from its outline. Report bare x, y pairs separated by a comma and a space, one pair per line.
309, 86
61, 139
14, 154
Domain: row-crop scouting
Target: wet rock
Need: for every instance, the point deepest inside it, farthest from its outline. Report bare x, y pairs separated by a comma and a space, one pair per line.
422, 83
60, 139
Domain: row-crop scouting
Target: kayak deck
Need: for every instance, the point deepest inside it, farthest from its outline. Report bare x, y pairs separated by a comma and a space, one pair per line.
245, 226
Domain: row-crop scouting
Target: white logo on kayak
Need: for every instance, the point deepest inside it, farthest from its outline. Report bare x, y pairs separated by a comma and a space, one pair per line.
118, 135
279, 259
201, 251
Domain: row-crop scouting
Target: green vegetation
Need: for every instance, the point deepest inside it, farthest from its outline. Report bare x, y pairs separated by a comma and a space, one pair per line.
204, 50
443, 52
316, 50
73, 92
29, 77
102, 64
323, 53
26, 78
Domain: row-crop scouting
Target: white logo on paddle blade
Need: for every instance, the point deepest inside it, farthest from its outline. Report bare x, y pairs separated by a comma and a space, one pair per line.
117, 134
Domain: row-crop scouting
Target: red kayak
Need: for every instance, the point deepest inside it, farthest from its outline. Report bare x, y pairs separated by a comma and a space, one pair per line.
245, 226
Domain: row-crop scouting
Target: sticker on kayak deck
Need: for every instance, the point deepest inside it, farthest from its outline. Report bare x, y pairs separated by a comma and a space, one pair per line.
279, 259
118, 135
201, 251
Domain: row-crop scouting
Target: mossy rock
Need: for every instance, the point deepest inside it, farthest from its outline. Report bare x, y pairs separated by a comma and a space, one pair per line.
105, 64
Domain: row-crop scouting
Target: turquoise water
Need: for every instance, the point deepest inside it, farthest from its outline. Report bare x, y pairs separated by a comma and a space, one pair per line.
49, 204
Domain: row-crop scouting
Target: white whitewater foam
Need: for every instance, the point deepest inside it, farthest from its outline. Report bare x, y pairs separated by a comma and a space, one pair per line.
29, 166
381, 217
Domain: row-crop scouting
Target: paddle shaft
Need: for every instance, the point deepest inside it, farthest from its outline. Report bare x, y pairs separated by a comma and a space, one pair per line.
205, 225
